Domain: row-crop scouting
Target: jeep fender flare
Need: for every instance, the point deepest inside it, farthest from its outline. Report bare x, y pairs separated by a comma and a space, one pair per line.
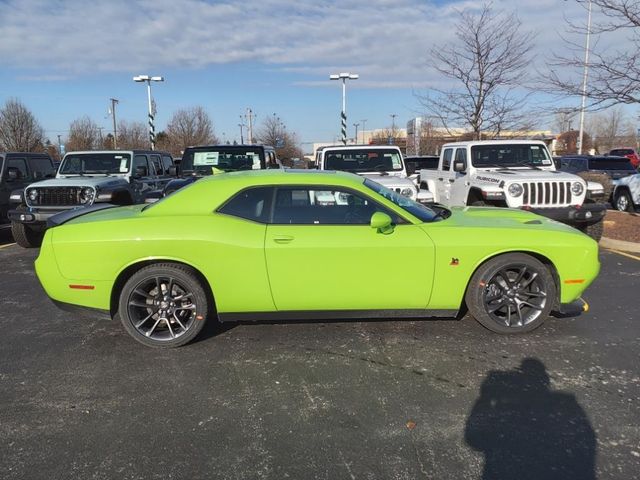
121, 196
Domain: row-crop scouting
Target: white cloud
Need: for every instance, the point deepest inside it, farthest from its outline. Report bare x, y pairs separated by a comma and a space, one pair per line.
385, 41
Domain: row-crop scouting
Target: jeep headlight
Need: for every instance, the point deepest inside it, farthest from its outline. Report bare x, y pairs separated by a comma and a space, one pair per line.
33, 195
577, 188
87, 196
407, 192
515, 190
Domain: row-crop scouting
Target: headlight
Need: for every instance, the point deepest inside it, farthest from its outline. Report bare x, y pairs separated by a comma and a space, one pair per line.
87, 196
407, 192
33, 194
515, 190
577, 188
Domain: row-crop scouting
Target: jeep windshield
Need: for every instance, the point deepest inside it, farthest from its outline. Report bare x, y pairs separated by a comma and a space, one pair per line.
416, 209
364, 160
95, 164
205, 161
510, 155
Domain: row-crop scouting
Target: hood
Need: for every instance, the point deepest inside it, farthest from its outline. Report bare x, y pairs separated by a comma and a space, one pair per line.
77, 181
522, 175
388, 180
495, 217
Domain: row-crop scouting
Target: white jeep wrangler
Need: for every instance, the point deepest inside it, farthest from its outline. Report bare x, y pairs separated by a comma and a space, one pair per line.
515, 174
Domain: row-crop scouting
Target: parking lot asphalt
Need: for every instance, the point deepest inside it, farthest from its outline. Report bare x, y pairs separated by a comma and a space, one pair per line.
382, 399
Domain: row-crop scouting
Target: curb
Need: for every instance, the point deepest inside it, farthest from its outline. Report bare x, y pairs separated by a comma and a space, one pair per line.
620, 245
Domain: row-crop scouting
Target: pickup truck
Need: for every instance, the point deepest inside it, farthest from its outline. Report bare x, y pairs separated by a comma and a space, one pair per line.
515, 174
381, 163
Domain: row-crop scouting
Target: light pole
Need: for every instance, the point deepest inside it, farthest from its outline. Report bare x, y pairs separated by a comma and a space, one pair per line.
364, 122
344, 76
152, 128
355, 138
114, 102
584, 81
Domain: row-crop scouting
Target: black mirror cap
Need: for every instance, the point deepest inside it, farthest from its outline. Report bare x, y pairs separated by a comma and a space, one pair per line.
140, 172
172, 171
13, 173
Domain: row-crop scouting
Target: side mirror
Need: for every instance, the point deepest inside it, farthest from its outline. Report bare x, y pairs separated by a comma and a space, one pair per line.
172, 171
410, 169
13, 173
140, 172
459, 166
382, 223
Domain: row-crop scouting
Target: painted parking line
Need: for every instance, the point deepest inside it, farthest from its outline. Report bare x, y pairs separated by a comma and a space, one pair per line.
635, 257
11, 244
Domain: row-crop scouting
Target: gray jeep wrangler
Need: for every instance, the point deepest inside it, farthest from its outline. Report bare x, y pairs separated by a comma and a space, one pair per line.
120, 177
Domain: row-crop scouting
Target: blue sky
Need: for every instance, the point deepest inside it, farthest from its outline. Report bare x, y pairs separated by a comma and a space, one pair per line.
66, 58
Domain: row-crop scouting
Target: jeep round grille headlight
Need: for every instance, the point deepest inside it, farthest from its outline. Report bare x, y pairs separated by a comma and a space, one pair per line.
515, 190
577, 188
86, 196
406, 192
33, 195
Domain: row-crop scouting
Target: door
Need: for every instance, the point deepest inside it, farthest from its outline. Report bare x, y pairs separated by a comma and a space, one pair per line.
322, 254
458, 180
143, 182
444, 173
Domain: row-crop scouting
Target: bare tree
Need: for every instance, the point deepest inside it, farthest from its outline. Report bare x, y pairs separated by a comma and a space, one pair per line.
487, 60
564, 119
190, 127
19, 129
84, 134
274, 132
613, 74
132, 135
611, 129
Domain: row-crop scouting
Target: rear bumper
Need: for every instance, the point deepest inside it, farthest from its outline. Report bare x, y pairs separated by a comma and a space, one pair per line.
585, 215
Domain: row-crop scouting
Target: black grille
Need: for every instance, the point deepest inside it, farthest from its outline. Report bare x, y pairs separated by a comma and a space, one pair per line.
57, 196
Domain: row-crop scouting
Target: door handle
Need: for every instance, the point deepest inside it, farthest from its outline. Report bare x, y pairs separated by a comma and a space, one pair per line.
451, 180
282, 239
441, 179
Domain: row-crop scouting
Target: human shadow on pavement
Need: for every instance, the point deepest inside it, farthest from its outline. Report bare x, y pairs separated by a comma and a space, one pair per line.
528, 431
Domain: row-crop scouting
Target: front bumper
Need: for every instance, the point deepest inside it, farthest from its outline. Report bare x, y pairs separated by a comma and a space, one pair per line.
32, 216
586, 214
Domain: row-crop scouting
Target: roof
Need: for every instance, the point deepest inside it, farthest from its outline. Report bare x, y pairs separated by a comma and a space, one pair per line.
285, 176
133, 150
472, 143
226, 146
357, 147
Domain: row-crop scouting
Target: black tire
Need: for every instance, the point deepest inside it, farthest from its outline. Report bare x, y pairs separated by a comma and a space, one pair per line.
623, 201
595, 230
164, 305
25, 236
511, 293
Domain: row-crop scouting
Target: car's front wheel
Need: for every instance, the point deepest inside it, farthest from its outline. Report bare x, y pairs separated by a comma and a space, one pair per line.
26, 236
164, 305
623, 201
511, 293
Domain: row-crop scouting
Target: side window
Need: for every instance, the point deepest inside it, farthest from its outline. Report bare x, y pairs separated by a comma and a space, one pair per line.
157, 164
323, 206
20, 164
166, 163
251, 204
461, 155
446, 158
42, 167
140, 161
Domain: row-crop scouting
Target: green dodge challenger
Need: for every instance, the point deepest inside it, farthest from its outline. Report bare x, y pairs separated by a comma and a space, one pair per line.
309, 245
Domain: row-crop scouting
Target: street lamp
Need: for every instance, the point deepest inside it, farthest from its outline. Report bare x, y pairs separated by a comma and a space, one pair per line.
152, 128
344, 76
584, 81
355, 140
364, 122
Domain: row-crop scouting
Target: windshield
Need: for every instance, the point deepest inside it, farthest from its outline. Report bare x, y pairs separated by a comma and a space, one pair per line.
621, 151
206, 160
510, 155
416, 209
364, 160
610, 164
95, 163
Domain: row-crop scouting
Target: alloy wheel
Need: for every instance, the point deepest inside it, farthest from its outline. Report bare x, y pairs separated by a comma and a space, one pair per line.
515, 296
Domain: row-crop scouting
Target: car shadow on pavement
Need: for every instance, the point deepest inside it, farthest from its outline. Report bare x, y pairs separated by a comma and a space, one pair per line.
526, 430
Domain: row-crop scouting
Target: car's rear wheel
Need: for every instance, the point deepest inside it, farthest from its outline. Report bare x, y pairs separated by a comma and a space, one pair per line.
511, 293
163, 305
